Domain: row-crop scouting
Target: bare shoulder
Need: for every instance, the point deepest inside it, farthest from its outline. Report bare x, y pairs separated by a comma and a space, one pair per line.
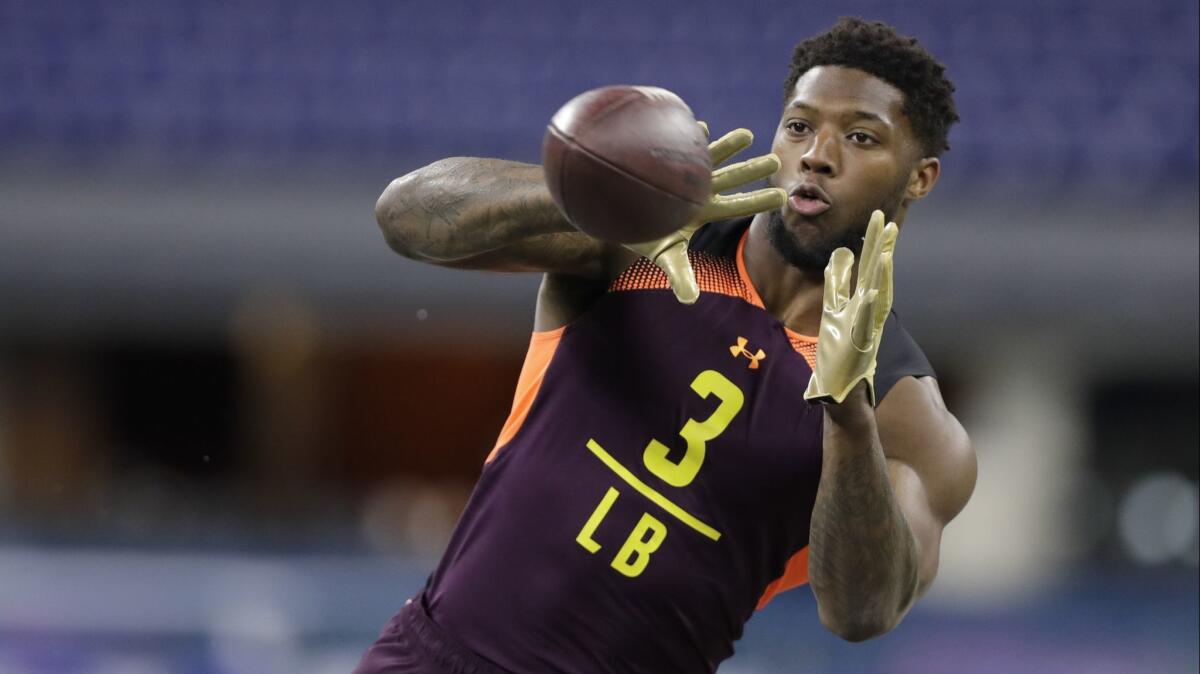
916, 428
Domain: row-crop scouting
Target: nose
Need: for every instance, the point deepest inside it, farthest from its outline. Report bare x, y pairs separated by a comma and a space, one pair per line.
821, 155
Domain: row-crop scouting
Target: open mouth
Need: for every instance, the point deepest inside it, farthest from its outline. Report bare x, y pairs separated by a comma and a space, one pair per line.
809, 200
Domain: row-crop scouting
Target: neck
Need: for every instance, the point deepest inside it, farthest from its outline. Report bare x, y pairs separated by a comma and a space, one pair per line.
792, 295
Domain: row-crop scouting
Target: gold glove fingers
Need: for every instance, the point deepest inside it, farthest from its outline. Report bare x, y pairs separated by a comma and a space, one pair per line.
863, 328
869, 265
734, 175
728, 145
725, 206
880, 241
876, 260
883, 304
837, 279
853, 315
670, 252
674, 263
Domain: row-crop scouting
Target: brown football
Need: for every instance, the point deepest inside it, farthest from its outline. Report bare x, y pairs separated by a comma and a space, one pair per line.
627, 163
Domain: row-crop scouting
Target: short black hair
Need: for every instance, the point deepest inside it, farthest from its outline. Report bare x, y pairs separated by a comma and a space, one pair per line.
876, 48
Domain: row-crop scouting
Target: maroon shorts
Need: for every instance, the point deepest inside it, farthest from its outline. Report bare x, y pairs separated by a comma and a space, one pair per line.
412, 643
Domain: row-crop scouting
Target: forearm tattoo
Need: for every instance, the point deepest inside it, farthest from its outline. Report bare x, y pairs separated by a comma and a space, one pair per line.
862, 559
463, 206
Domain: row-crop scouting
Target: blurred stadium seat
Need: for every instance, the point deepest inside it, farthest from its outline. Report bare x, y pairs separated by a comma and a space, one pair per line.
276, 82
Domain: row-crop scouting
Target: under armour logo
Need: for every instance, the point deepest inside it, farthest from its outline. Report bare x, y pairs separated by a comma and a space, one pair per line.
740, 349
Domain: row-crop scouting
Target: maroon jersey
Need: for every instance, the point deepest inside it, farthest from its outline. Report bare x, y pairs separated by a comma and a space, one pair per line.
653, 484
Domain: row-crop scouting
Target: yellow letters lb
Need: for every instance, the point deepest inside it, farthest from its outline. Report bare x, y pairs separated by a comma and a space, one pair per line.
633, 557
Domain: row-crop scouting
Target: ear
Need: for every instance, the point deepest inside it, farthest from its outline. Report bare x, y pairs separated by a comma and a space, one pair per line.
923, 177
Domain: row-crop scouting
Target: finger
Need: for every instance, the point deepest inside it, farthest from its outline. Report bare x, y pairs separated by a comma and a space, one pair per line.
885, 245
883, 304
675, 264
890, 233
869, 258
829, 303
883, 272
704, 128
730, 144
744, 172
864, 323
722, 206
841, 265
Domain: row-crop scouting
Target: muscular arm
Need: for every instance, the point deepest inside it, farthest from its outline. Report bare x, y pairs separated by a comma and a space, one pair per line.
474, 213
891, 479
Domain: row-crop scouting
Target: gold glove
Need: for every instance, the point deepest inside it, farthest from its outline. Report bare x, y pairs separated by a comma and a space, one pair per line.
851, 326
670, 252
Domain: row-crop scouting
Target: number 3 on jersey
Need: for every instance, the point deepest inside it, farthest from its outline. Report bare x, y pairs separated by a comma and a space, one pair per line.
634, 555
697, 433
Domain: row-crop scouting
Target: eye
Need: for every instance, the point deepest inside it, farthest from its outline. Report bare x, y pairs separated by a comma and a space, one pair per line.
861, 138
796, 126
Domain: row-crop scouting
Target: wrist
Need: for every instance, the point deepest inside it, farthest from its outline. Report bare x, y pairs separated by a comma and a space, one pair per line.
854, 411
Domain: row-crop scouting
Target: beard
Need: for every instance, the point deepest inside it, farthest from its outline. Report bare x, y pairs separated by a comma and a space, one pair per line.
811, 254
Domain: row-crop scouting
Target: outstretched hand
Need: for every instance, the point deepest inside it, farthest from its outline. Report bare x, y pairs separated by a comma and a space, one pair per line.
852, 319
670, 252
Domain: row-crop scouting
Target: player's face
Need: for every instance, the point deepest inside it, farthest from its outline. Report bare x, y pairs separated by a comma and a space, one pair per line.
846, 149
